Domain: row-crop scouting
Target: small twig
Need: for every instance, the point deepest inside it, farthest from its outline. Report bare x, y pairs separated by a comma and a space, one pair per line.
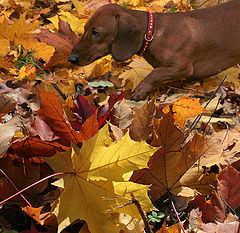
15, 187
136, 202
197, 119
58, 89
32, 185
175, 211
219, 99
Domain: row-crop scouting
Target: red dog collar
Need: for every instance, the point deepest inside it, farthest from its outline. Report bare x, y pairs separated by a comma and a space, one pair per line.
149, 34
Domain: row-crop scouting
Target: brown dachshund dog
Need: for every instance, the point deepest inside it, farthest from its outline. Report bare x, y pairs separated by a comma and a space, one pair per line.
193, 44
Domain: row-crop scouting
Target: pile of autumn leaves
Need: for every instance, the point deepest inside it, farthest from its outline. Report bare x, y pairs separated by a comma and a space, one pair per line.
107, 152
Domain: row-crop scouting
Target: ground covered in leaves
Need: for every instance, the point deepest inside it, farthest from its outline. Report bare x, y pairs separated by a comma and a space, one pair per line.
76, 155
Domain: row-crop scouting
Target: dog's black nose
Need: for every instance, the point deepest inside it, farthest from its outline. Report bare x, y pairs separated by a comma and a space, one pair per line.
74, 59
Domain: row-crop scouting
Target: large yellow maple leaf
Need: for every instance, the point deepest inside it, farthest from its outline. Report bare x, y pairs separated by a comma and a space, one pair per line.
98, 184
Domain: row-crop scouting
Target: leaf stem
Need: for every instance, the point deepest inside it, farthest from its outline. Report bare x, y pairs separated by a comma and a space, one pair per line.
15, 187
175, 211
32, 185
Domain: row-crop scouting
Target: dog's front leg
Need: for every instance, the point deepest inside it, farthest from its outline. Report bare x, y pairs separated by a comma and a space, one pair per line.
153, 80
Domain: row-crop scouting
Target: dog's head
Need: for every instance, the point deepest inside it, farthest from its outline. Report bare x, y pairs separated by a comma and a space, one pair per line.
110, 30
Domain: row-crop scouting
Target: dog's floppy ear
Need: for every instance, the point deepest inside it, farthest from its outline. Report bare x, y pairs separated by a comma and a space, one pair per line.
128, 37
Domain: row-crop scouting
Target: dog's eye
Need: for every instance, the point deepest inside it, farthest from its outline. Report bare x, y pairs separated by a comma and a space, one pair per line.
95, 34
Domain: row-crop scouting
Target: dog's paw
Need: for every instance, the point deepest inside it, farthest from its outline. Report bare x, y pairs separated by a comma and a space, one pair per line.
141, 91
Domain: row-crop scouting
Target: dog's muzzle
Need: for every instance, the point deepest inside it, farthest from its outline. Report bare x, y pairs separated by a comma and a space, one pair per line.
74, 59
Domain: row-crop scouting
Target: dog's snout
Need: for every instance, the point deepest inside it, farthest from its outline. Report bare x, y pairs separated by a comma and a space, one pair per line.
74, 59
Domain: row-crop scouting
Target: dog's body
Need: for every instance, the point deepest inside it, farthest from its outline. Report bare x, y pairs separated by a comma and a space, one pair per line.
193, 44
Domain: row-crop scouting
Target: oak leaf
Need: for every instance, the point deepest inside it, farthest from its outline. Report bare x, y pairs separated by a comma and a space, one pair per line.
99, 167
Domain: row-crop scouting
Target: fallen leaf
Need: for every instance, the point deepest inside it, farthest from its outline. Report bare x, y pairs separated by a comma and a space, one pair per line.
22, 176
232, 227
75, 24
228, 188
63, 41
142, 124
139, 69
121, 115
172, 229
170, 157
7, 131
8, 101
184, 109
33, 212
99, 169
53, 114
82, 111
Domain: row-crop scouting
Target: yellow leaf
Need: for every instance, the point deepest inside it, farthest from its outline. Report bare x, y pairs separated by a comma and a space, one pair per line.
78, 5
28, 72
39, 49
20, 29
214, 81
75, 24
4, 47
139, 70
98, 185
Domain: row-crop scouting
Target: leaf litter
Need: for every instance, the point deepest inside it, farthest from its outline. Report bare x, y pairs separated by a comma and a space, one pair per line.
57, 118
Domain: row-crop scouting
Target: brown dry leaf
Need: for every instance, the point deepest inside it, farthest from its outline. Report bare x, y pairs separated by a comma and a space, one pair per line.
22, 175
117, 133
130, 225
184, 109
8, 101
171, 158
121, 115
63, 41
142, 125
228, 187
93, 4
7, 131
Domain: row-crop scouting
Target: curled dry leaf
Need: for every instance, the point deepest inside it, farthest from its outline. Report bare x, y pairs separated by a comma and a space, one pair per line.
7, 131
121, 115
8, 102
142, 125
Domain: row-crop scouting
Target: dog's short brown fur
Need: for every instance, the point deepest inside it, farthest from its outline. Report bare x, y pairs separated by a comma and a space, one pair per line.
193, 44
